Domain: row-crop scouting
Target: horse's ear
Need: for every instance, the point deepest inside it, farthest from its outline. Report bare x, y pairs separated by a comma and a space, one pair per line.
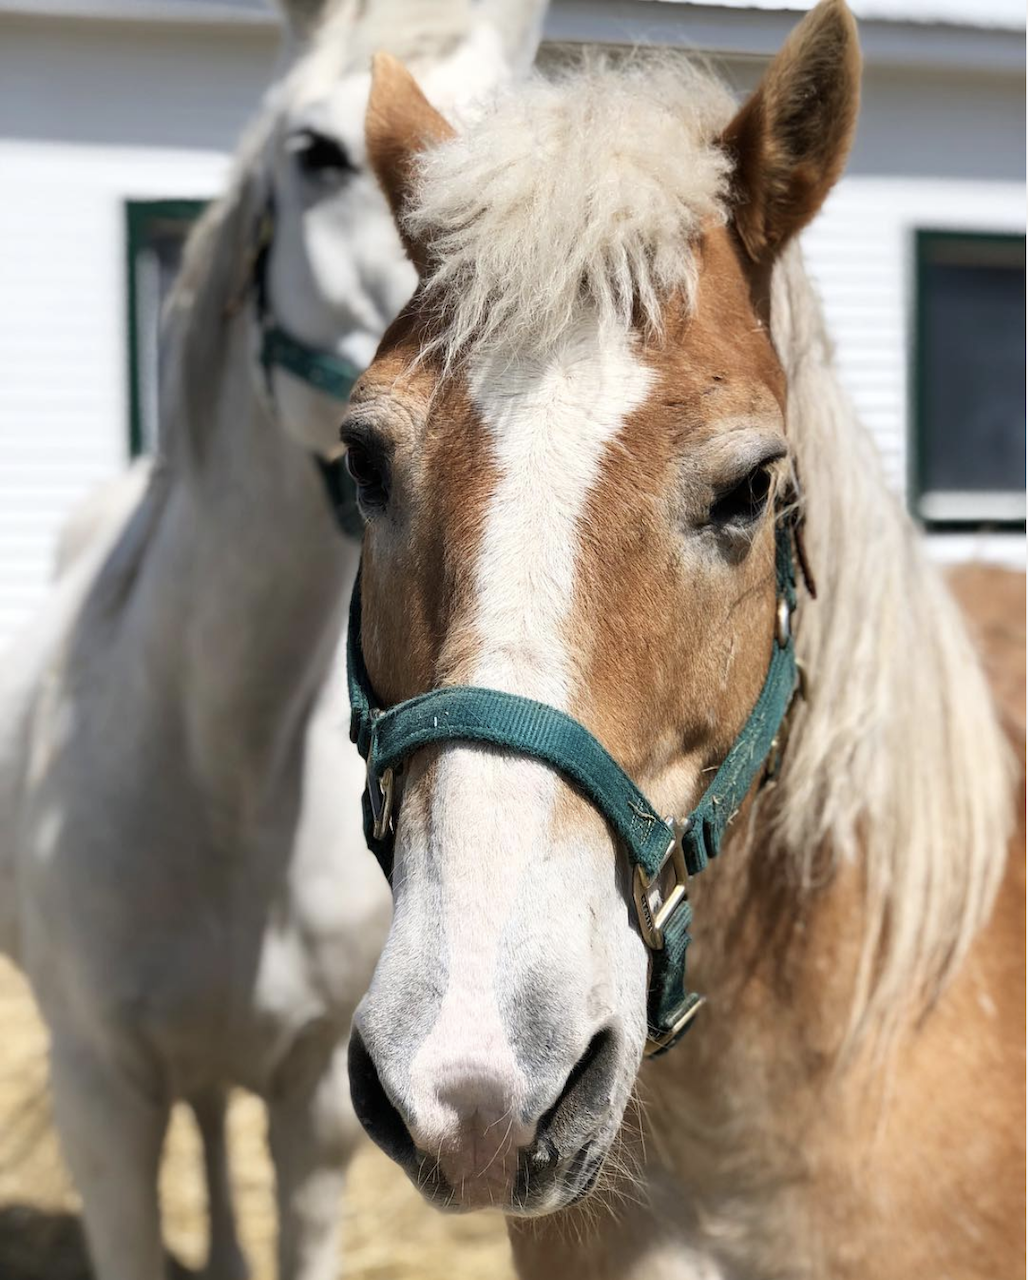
790, 140
400, 124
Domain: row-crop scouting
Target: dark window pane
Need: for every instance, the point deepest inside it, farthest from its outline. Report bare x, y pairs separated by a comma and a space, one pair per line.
157, 232
970, 378
974, 389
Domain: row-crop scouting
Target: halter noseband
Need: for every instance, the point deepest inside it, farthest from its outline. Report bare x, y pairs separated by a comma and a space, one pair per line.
663, 852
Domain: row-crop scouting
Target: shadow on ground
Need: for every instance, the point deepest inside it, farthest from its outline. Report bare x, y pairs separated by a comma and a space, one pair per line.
39, 1244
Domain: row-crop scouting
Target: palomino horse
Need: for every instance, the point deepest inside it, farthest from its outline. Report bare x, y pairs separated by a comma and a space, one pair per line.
177, 879
588, 576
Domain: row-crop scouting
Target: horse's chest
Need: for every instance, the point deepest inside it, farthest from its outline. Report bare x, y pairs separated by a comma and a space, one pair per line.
244, 963
186, 948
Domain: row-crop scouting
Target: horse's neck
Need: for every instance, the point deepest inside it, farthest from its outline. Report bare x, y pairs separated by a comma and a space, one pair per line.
250, 553
846, 897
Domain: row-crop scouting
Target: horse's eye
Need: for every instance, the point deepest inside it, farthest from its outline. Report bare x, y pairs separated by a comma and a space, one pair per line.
370, 476
742, 504
319, 154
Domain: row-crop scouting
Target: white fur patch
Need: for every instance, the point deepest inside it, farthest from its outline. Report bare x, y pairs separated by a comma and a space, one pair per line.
551, 420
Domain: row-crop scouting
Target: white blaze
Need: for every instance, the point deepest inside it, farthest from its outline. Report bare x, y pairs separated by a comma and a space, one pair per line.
551, 421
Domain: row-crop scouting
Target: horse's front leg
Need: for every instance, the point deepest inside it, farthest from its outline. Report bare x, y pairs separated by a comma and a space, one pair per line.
111, 1120
313, 1133
225, 1259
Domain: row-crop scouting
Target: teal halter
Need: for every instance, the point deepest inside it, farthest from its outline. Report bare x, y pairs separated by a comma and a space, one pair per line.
326, 372
663, 852
331, 374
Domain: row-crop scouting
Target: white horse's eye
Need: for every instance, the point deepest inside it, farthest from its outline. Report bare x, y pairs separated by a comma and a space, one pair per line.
319, 154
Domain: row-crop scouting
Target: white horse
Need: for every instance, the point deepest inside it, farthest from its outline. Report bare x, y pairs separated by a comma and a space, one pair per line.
191, 904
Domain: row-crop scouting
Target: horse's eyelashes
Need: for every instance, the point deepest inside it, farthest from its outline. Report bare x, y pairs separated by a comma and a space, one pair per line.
744, 502
370, 474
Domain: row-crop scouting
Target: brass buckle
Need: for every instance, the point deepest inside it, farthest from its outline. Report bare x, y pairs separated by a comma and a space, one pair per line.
656, 900
381, 791
656, 1044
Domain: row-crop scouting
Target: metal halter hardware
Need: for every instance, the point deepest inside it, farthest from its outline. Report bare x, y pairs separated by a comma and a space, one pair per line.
663, 852
657, 899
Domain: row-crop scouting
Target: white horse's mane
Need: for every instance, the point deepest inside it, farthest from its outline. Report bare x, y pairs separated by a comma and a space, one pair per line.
592, 181
589, 188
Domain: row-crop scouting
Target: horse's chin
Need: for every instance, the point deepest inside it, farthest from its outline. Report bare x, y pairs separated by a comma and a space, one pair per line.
561, 1185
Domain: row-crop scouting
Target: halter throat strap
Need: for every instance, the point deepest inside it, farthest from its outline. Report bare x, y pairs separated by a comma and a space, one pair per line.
663, 851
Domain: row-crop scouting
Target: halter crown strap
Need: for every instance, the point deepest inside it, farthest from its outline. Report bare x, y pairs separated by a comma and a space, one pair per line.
662, 851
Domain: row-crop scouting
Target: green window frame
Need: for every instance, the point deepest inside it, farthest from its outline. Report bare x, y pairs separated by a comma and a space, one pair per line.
155, 231
950, 508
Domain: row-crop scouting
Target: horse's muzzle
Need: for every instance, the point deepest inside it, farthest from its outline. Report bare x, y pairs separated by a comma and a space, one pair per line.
476, 1167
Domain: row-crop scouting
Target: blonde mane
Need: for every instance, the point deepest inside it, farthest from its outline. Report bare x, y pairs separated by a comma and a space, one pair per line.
898, 762
593, 182
590, 189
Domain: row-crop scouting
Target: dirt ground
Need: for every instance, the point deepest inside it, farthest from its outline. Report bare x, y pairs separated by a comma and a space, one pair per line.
390, 1233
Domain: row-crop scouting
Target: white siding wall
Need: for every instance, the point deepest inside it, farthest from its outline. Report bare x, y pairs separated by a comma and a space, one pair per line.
934, 150
94, 113
63, 392
91, 114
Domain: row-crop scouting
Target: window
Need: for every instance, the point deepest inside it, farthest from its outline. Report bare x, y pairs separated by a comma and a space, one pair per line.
156, 233
969, 412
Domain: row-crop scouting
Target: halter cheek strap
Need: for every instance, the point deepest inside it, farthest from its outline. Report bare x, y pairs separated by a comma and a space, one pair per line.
333, 375
663, 852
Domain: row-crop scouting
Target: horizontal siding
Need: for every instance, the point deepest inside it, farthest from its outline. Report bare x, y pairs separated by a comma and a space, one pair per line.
89, 117
1007, 14
63, 393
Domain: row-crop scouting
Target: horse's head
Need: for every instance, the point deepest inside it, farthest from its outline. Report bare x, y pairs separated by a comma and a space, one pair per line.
327, 265
570, 449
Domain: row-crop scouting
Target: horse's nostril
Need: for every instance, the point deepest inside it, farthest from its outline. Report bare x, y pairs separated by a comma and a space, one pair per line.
586, 1093
382, 1122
